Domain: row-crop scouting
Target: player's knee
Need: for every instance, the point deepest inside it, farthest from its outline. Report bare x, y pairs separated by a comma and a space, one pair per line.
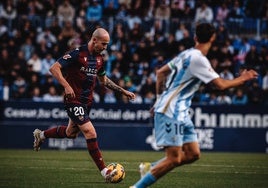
89, 134
196, 156
176, 161
71, 135
193, 157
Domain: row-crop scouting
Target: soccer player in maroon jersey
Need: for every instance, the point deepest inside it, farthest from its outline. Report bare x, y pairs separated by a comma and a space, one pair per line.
82, 67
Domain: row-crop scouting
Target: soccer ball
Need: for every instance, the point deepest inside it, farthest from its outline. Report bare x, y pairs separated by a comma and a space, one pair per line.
120, 174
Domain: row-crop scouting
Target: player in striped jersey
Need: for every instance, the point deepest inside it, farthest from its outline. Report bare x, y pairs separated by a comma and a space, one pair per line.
177, 81
83, 66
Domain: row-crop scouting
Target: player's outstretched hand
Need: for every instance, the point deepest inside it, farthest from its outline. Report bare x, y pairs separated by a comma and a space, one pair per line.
249, 74
130, 95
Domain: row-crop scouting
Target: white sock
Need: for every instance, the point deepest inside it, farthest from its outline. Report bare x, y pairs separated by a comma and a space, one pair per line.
103, 172
42, 136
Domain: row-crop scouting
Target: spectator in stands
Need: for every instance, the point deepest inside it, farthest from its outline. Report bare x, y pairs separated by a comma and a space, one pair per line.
223, 98
136, 33
148, 19
34, 9
35, 63
6, 63
4, 90
18, 89
263, 53
149, 85
236, 17
3, 28
33, 81
20, 93
22, 10
189, 11
265, 87
67, 33
133, 19
212, 99
122, 14
50, 12
110, 8
52, 95
9, 14
36, 94
253, 59
187, 41
239, 58
46, 64
48, 38
28, 48
163, 14
47, 82
177, 7
109, 96
222, 13
127, 3
138, 99
265, 81
222, 34
94, 13
149, 97
65, 12
264, 17
226, 74
239, 97
81, 21
255, 93
55, 28
204, 13
201, 96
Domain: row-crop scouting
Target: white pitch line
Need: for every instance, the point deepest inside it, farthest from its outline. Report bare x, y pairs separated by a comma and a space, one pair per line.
136, 170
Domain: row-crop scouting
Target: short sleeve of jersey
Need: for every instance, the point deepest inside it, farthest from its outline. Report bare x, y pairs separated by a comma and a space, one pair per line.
69, 58
201, 68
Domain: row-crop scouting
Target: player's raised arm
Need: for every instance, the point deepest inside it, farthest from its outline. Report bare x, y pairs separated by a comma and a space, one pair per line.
222, 84
111, 85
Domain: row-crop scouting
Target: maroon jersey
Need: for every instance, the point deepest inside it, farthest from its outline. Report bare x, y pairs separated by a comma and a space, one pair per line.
81, 69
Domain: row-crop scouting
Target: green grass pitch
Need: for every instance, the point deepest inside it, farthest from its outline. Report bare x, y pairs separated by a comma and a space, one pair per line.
74, 168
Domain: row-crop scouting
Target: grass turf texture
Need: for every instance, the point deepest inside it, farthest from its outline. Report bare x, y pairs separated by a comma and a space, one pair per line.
74, 168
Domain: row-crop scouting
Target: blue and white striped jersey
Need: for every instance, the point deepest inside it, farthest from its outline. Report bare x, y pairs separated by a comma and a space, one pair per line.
189, 69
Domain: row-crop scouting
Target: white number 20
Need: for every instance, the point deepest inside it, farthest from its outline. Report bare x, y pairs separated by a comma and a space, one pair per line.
78, 111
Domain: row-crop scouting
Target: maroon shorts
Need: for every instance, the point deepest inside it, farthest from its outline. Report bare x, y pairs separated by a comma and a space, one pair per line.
78, 113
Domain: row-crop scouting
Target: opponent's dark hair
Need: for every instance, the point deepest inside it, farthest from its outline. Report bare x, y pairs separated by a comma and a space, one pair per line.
204, 31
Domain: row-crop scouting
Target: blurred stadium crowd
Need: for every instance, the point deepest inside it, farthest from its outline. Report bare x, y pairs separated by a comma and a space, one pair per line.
144, 36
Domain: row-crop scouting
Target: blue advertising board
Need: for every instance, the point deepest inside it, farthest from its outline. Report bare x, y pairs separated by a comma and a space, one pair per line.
130, 127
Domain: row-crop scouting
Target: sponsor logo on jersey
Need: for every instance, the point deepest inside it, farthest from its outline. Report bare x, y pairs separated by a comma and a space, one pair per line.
89, 71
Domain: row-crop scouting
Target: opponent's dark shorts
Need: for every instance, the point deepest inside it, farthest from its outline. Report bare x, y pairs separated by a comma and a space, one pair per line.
78, 113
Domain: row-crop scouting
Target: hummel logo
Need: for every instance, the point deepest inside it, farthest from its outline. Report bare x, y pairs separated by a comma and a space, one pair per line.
168, 129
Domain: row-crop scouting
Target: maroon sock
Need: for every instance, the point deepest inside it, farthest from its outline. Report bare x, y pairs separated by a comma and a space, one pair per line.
56, 132
95, 153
